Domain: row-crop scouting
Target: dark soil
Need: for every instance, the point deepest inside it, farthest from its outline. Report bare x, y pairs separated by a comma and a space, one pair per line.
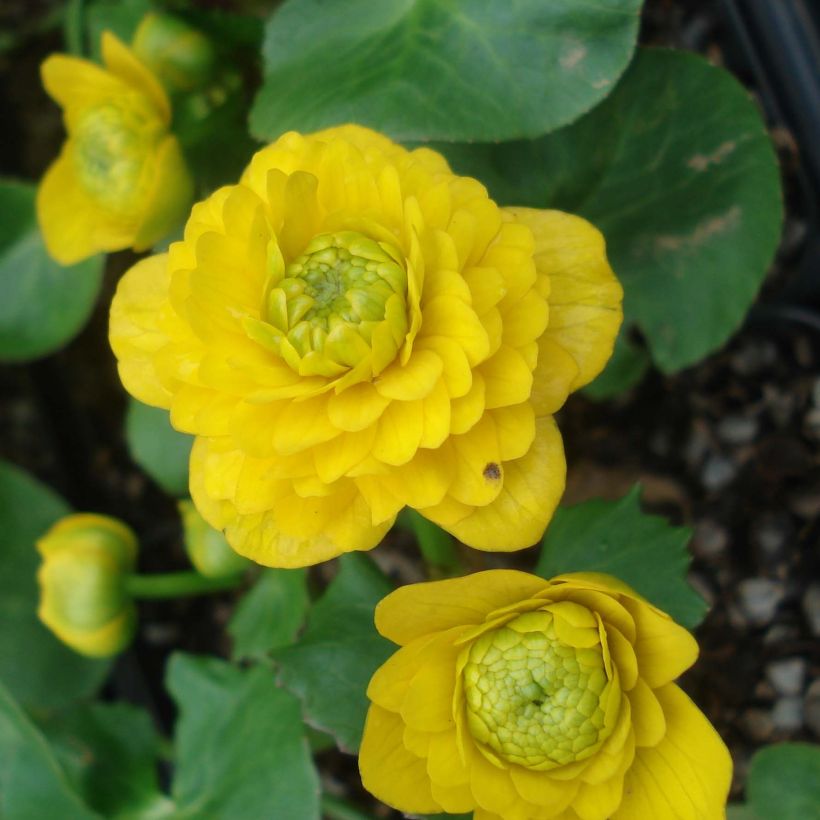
729, 447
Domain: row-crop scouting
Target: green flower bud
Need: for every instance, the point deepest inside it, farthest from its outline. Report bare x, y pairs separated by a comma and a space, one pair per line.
207, 548
181, 57
340, 305
533, 699
83, 599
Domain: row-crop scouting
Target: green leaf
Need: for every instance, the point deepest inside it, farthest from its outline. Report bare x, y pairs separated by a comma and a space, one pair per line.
240, 745
109, 751
625, 369
37, 668
270, 615
331, 665
642, 550
32, 784
784, 782
44, 305
159, 449
738, 811
677, 170
424, 69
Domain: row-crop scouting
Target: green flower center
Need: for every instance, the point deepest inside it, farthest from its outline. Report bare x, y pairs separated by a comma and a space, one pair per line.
532, 699
340, 305
111, 146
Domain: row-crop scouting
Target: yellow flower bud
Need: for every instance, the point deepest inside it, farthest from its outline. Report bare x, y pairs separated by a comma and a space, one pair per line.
181, 57
207, 548
83, 599
120, 180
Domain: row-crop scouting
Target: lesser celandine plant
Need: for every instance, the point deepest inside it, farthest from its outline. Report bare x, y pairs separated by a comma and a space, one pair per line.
352, 331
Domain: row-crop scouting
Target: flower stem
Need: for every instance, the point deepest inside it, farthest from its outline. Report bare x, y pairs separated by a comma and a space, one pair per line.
178, 584
75, 27
337, 809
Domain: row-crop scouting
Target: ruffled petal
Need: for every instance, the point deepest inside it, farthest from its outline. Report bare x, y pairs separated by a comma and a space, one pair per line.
522, 509
388, 770
585, 297
419, 609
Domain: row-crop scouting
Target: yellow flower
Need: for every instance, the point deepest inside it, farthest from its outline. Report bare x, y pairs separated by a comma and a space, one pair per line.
522, 698
353, 329
120, 180
83, 599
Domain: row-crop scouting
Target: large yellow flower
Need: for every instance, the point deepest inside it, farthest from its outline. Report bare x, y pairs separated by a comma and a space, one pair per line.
526, 699
352, 329
120, 180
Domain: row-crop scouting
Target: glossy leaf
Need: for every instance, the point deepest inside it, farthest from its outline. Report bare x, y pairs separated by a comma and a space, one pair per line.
32, 784
240, 745
109, 751
37, 668
331, 665
423, 69
159, 449
270, 614
784, 782
642, 550
44, 305
677, 170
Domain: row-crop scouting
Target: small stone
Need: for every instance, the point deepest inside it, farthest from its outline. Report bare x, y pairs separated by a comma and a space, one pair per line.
787, 675
759, 599
770, 533
811, 707
738, 429
806, 503
778, 634
811, 608
757, 724
811, 423
753, 357
787, 715
718, 472
697, 445
710, 539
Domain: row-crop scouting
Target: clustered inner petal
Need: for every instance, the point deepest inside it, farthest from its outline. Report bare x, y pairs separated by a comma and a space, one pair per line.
340, 304
111, 145
534, 699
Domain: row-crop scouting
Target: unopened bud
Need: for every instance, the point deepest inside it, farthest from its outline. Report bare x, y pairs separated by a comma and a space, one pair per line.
83, 597
207, 548
180, 56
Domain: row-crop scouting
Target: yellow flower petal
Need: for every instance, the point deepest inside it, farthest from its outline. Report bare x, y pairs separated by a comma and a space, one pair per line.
419, 609
532, 488
388, 770
686, 776
648, 721
123, 63
664, 649
585, 297
135, 329
72, 225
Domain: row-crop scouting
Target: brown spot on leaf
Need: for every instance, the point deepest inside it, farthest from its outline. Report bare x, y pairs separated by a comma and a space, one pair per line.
700, 162
492, 472
703, 231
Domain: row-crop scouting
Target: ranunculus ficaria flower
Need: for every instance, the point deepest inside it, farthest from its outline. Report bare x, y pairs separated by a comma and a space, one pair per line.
82, 578
525, 699
120, 180
353, 329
